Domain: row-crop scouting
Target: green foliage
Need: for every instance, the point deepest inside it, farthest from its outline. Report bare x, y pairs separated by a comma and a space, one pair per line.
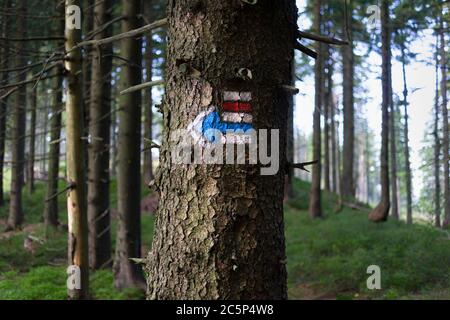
331, 255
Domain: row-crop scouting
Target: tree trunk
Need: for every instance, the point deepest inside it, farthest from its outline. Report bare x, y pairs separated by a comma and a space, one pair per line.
100, 120
381, 212
289, 188
4, 102
348, 183
32, 141
327, 114
15, 218
76, 200
437, 146
393, 154
219, 228
334, 146
126, 272
408, 174
445, 125
51, 203
315, 205
148, 101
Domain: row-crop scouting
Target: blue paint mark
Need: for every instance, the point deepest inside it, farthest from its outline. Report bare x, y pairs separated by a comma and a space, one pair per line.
212, 121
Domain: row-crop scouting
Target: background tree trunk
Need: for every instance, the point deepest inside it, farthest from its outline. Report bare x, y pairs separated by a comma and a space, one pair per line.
51, 203
408, 175
99, 132
381, 212
32, 141
126, 272
15, 218
148, 99
76, 200
437, 145
348, 71
4, 102
219, 229
393, 159
445, 125
315, 205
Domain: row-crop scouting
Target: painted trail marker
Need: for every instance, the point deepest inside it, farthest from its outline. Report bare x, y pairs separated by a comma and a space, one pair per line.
232, 124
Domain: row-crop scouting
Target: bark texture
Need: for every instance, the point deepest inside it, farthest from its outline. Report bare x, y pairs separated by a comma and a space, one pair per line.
219, 230
126, 272
98, 150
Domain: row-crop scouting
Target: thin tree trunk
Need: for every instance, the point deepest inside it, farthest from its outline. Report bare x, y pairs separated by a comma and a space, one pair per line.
381, 212
99, 132
289, 188
32, 141
393, 159
51, 203
15, 218
76, 200
148, 100
408, 177
348, 183
315, 205
219, 228
334, 146
4, 103
437, 145
445, 125
126, 272
327, 114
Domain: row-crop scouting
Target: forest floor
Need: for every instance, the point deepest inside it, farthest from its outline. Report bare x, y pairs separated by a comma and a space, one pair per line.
327, 258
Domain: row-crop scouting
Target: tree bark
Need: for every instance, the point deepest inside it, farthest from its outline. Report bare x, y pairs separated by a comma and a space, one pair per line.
315, 205
76, 200
445, 124
381, 212
15, 217
348, 70
219, 228
99, 132
126, 273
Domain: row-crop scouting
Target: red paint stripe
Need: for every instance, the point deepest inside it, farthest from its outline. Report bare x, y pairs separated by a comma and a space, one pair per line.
245, 107
237, 107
